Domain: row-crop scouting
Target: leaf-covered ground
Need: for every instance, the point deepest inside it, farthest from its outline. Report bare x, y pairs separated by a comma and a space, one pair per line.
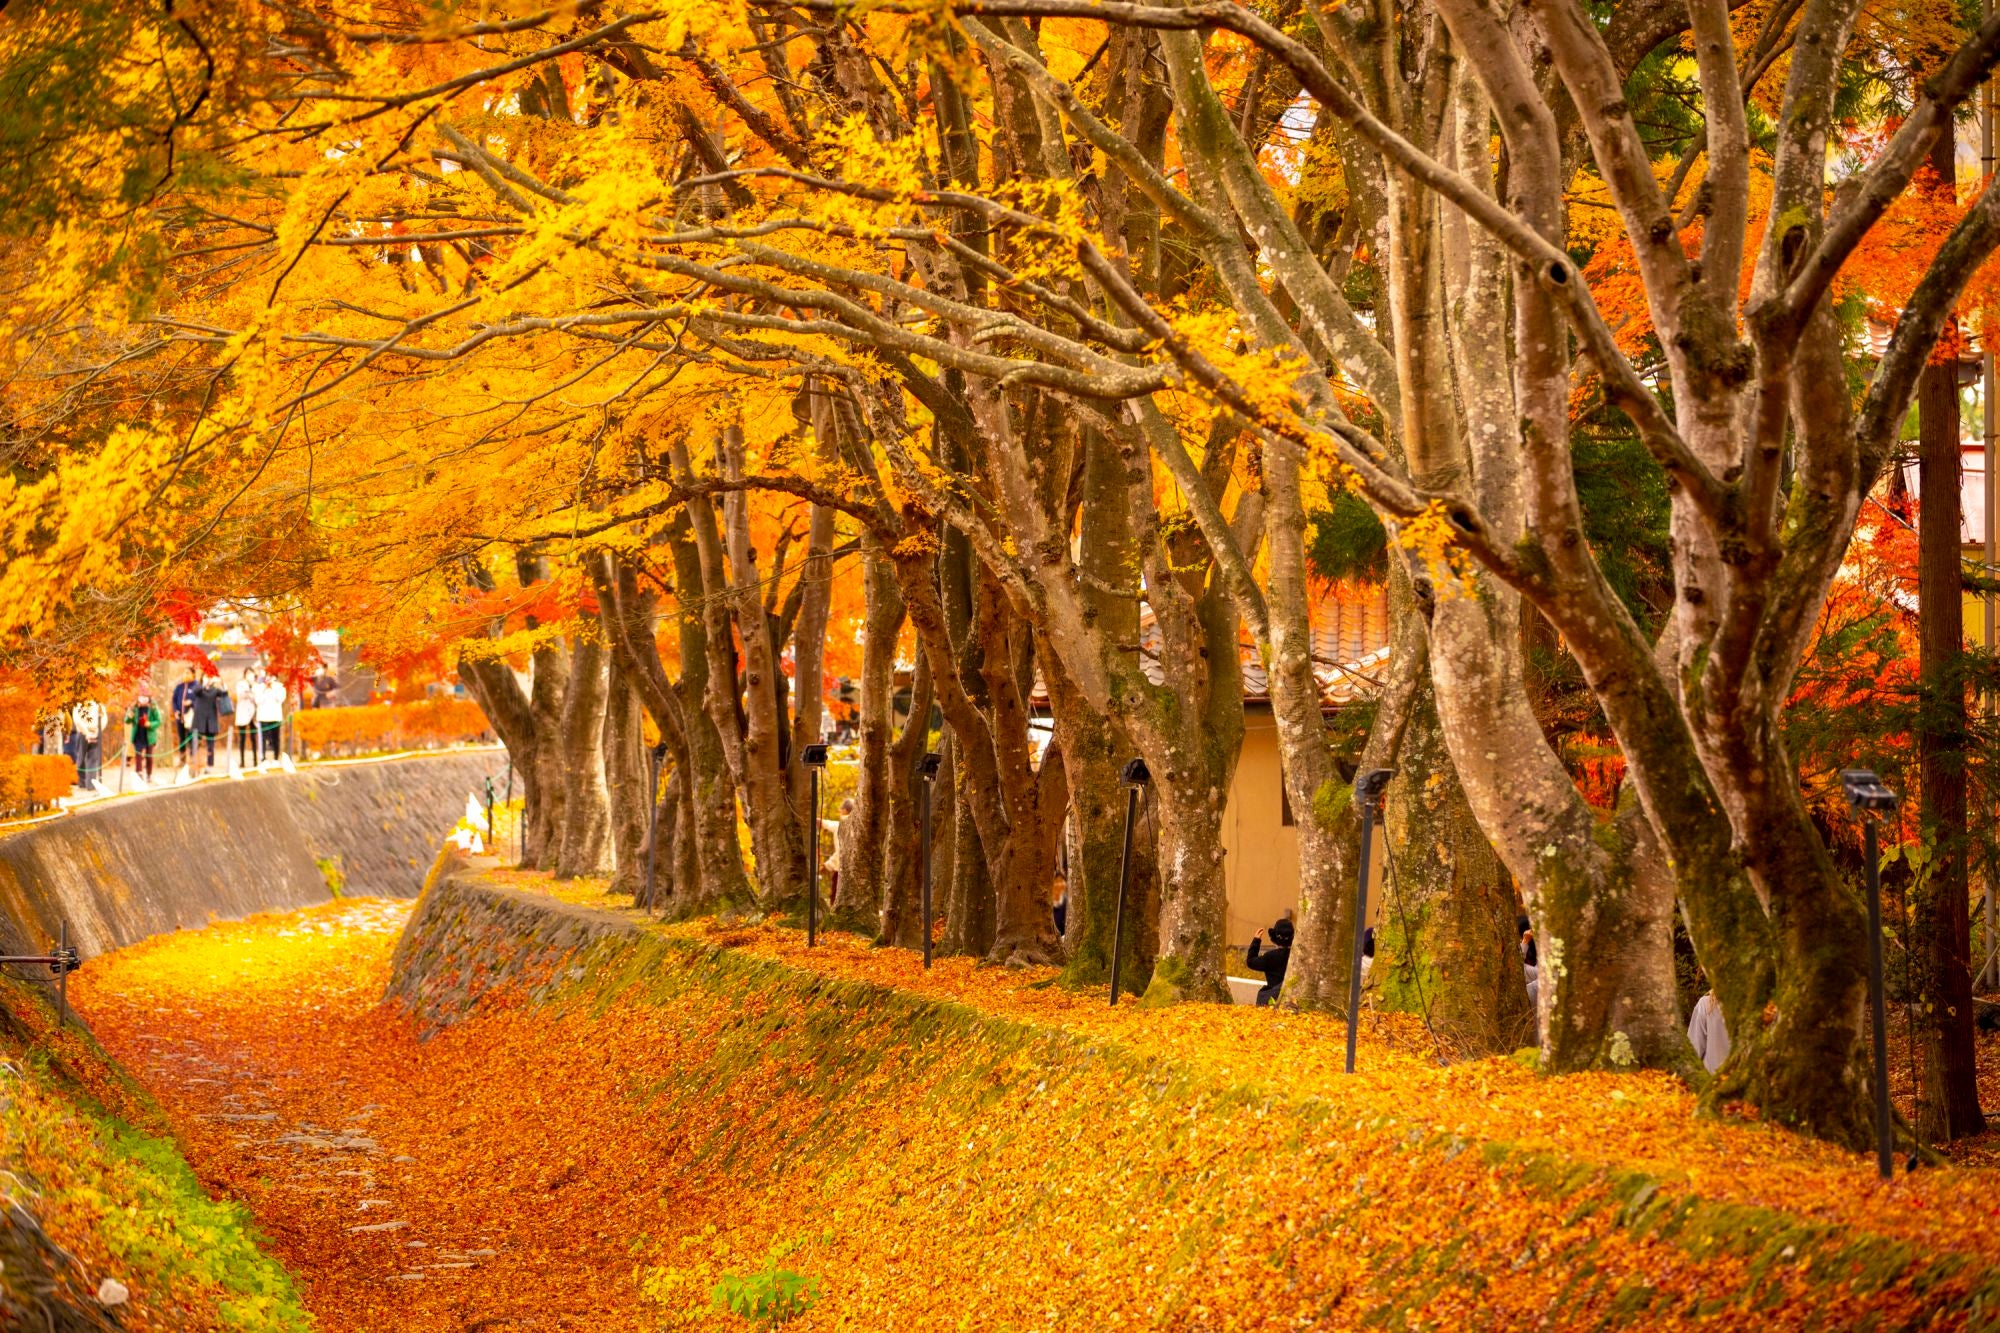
969, 1148
102, 1225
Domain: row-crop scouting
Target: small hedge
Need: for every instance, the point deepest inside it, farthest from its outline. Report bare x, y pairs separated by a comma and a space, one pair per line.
32, 782
373, 728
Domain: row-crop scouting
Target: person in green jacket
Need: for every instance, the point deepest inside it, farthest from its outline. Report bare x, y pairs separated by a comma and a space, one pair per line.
142, 722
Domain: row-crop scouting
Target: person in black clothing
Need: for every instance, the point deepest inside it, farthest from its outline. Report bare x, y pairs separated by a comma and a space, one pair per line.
1271, 960
210, 699
183, 708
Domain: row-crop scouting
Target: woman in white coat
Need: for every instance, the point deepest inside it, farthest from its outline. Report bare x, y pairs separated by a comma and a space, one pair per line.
270, 713
245, 720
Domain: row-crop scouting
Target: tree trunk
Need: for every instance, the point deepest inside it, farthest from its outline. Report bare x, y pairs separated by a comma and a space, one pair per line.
967, 900
1323, 946
1194, 896
682, 883
512, 714
1191, 742
1024, 931
627, 779
1095, 751
902, 922
1447, 947
1940, 941
776, 832
809, 657
548, 687
721, 884
1322, 805
882, 622
1095, 748
704, 580
586, 823
1022, 866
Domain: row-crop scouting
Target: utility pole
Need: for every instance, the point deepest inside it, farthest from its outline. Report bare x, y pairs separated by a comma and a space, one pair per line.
1989, 975
1940, 946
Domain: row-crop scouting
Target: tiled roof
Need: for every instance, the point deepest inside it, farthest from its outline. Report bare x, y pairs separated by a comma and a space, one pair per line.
1350, 648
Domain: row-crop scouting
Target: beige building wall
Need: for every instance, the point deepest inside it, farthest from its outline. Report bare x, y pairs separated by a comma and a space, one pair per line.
1262, 852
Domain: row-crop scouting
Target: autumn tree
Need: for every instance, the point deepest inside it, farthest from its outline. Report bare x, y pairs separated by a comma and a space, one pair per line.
1062, 316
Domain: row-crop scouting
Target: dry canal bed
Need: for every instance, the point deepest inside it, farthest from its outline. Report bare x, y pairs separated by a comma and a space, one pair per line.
407, 1187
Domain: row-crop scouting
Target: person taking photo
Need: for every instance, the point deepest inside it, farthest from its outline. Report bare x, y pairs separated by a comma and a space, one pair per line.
142, 727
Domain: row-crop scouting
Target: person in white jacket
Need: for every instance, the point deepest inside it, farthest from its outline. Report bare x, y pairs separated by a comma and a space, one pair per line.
1708, 1032
270, 695
245, 720
88, 719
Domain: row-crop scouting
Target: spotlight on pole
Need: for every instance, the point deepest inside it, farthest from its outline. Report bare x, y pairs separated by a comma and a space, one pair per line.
814, 758
1370, 791
1869, 798
1136, 778
927, 769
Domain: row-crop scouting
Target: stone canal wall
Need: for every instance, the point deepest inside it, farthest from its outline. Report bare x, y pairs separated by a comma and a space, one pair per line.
126, 869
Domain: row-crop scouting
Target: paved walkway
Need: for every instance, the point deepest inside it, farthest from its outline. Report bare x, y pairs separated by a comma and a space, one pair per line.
122, 785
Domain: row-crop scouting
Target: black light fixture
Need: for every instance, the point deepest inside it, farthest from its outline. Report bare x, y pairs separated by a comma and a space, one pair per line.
1370, 792
1868, 797
1136, 778
814, 758
927, 769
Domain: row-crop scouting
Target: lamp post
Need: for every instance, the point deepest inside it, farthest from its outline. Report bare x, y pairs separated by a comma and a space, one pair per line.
927, 769
653, 757
520, 819
814, 758
1868, 797
1369, 794
1135, 777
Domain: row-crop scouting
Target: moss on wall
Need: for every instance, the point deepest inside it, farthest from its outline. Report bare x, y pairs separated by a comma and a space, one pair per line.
851, 1091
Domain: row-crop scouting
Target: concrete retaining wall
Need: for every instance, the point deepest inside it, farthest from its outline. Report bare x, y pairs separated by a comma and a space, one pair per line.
125, 870
469, 935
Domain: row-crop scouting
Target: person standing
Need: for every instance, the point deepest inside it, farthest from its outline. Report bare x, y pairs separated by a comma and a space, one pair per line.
142, 724
245, 720
270, 694
325, 686
211, 703
183, 706
843, 830
1708, 1032
87, 720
